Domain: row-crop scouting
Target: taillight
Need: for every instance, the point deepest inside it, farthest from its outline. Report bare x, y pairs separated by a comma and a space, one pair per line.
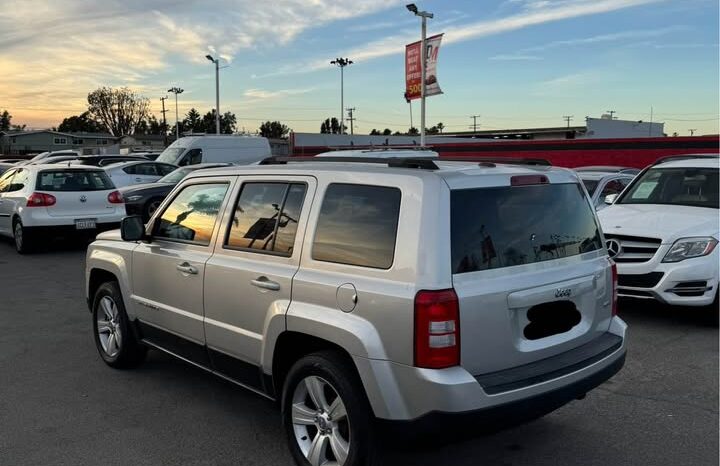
115, 198
527, 180
41, 200
613, 266
437, 329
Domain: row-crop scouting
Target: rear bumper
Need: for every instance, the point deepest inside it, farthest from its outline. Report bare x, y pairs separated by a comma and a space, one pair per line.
506, 414
403, 393
70, 230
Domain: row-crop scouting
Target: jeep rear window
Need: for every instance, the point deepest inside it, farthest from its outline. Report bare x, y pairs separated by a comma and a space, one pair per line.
358, 225
500, 227
73, 180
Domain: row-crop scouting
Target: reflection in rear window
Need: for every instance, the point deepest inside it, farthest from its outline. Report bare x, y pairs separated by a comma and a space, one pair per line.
73, 180
505, 226
358, 225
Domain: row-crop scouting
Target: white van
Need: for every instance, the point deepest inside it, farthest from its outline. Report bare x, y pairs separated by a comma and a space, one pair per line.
192, 150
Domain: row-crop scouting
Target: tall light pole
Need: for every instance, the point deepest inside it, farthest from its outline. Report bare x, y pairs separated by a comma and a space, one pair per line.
176, 91
424, 15
342, 63
217, 91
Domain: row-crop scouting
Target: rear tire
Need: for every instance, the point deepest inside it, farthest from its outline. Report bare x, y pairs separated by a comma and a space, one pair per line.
326, 414
114, 337
24, 243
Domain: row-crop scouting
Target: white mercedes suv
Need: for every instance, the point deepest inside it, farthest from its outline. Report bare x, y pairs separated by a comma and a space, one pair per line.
53, 199
662, 232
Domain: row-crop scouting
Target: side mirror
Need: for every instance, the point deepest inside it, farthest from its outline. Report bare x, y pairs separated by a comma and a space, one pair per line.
610, 198
132, 228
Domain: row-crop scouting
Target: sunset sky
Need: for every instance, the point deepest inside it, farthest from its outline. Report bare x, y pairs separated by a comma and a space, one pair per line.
516, 63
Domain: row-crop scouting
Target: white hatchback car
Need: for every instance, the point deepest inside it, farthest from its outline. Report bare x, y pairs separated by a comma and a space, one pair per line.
137, 172
51, 198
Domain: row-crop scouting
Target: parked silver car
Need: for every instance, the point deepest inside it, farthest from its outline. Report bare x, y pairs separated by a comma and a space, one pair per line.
352, 290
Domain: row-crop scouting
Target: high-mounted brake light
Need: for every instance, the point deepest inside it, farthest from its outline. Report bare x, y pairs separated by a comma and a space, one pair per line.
437, 329
526, 180
613, 266
41, 200
115, 198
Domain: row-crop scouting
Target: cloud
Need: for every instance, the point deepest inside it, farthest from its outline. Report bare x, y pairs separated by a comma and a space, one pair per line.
78, 45
515, 58
631, 35
533, 12
261, 94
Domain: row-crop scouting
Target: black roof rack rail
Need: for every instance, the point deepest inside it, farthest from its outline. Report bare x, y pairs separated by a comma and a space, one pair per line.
672, 158
491, 161
394, 162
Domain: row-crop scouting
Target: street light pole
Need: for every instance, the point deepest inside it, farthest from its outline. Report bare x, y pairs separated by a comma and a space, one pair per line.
176, 91
216, 61
342, 63
424, 15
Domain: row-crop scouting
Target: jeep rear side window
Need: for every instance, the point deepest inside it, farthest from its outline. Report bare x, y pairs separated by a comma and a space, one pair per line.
191, 216
266, 217
358, 225
491, 228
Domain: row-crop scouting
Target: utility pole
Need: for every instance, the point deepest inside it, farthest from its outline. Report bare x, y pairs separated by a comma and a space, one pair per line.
567, 118
612, 112
475, 125
216, 61
342, 63
163, 99
176, 91
692, 131
410, 104
351, 119
424, 15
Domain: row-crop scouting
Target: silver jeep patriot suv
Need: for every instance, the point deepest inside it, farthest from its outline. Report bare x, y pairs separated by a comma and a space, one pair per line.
359, 292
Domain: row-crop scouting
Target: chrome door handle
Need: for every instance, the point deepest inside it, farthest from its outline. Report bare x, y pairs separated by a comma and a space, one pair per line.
264, 283
187, 268
138, 179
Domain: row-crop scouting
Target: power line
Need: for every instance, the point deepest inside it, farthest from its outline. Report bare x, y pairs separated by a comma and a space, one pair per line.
568, 118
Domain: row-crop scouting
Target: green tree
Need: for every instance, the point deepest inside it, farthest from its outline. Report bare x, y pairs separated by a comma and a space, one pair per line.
274, 130
228, 123
83, 123
5, 120
151, 125
331, 126
118, 110
374, 132
387, 132
413, 131
440, 126
193, 122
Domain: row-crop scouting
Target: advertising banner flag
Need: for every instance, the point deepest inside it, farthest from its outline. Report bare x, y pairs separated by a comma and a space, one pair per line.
413, 68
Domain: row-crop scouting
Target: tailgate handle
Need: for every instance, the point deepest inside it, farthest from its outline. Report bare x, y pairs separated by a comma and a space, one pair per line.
264, 283
187, 268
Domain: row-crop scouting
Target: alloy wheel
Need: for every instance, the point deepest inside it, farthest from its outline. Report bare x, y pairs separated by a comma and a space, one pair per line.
108, 326
320, 422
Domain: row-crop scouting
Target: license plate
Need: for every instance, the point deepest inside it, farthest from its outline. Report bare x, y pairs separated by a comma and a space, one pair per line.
85, 224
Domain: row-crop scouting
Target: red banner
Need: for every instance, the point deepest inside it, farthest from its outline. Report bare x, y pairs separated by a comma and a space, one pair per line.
413, 68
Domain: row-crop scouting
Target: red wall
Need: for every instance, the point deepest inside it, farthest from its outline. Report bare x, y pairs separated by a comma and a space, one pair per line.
636, 153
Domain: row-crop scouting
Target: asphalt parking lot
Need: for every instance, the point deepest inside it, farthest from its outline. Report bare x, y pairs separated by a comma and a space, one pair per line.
60, 404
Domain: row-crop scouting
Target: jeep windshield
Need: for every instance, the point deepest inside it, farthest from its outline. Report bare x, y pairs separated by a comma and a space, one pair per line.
514, 225
694, 187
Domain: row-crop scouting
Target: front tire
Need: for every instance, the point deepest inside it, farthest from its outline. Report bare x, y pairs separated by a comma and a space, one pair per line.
325, 412
114, 338
150, 207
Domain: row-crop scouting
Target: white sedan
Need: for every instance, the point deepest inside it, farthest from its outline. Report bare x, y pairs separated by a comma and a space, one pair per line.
53, 199
137, 172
